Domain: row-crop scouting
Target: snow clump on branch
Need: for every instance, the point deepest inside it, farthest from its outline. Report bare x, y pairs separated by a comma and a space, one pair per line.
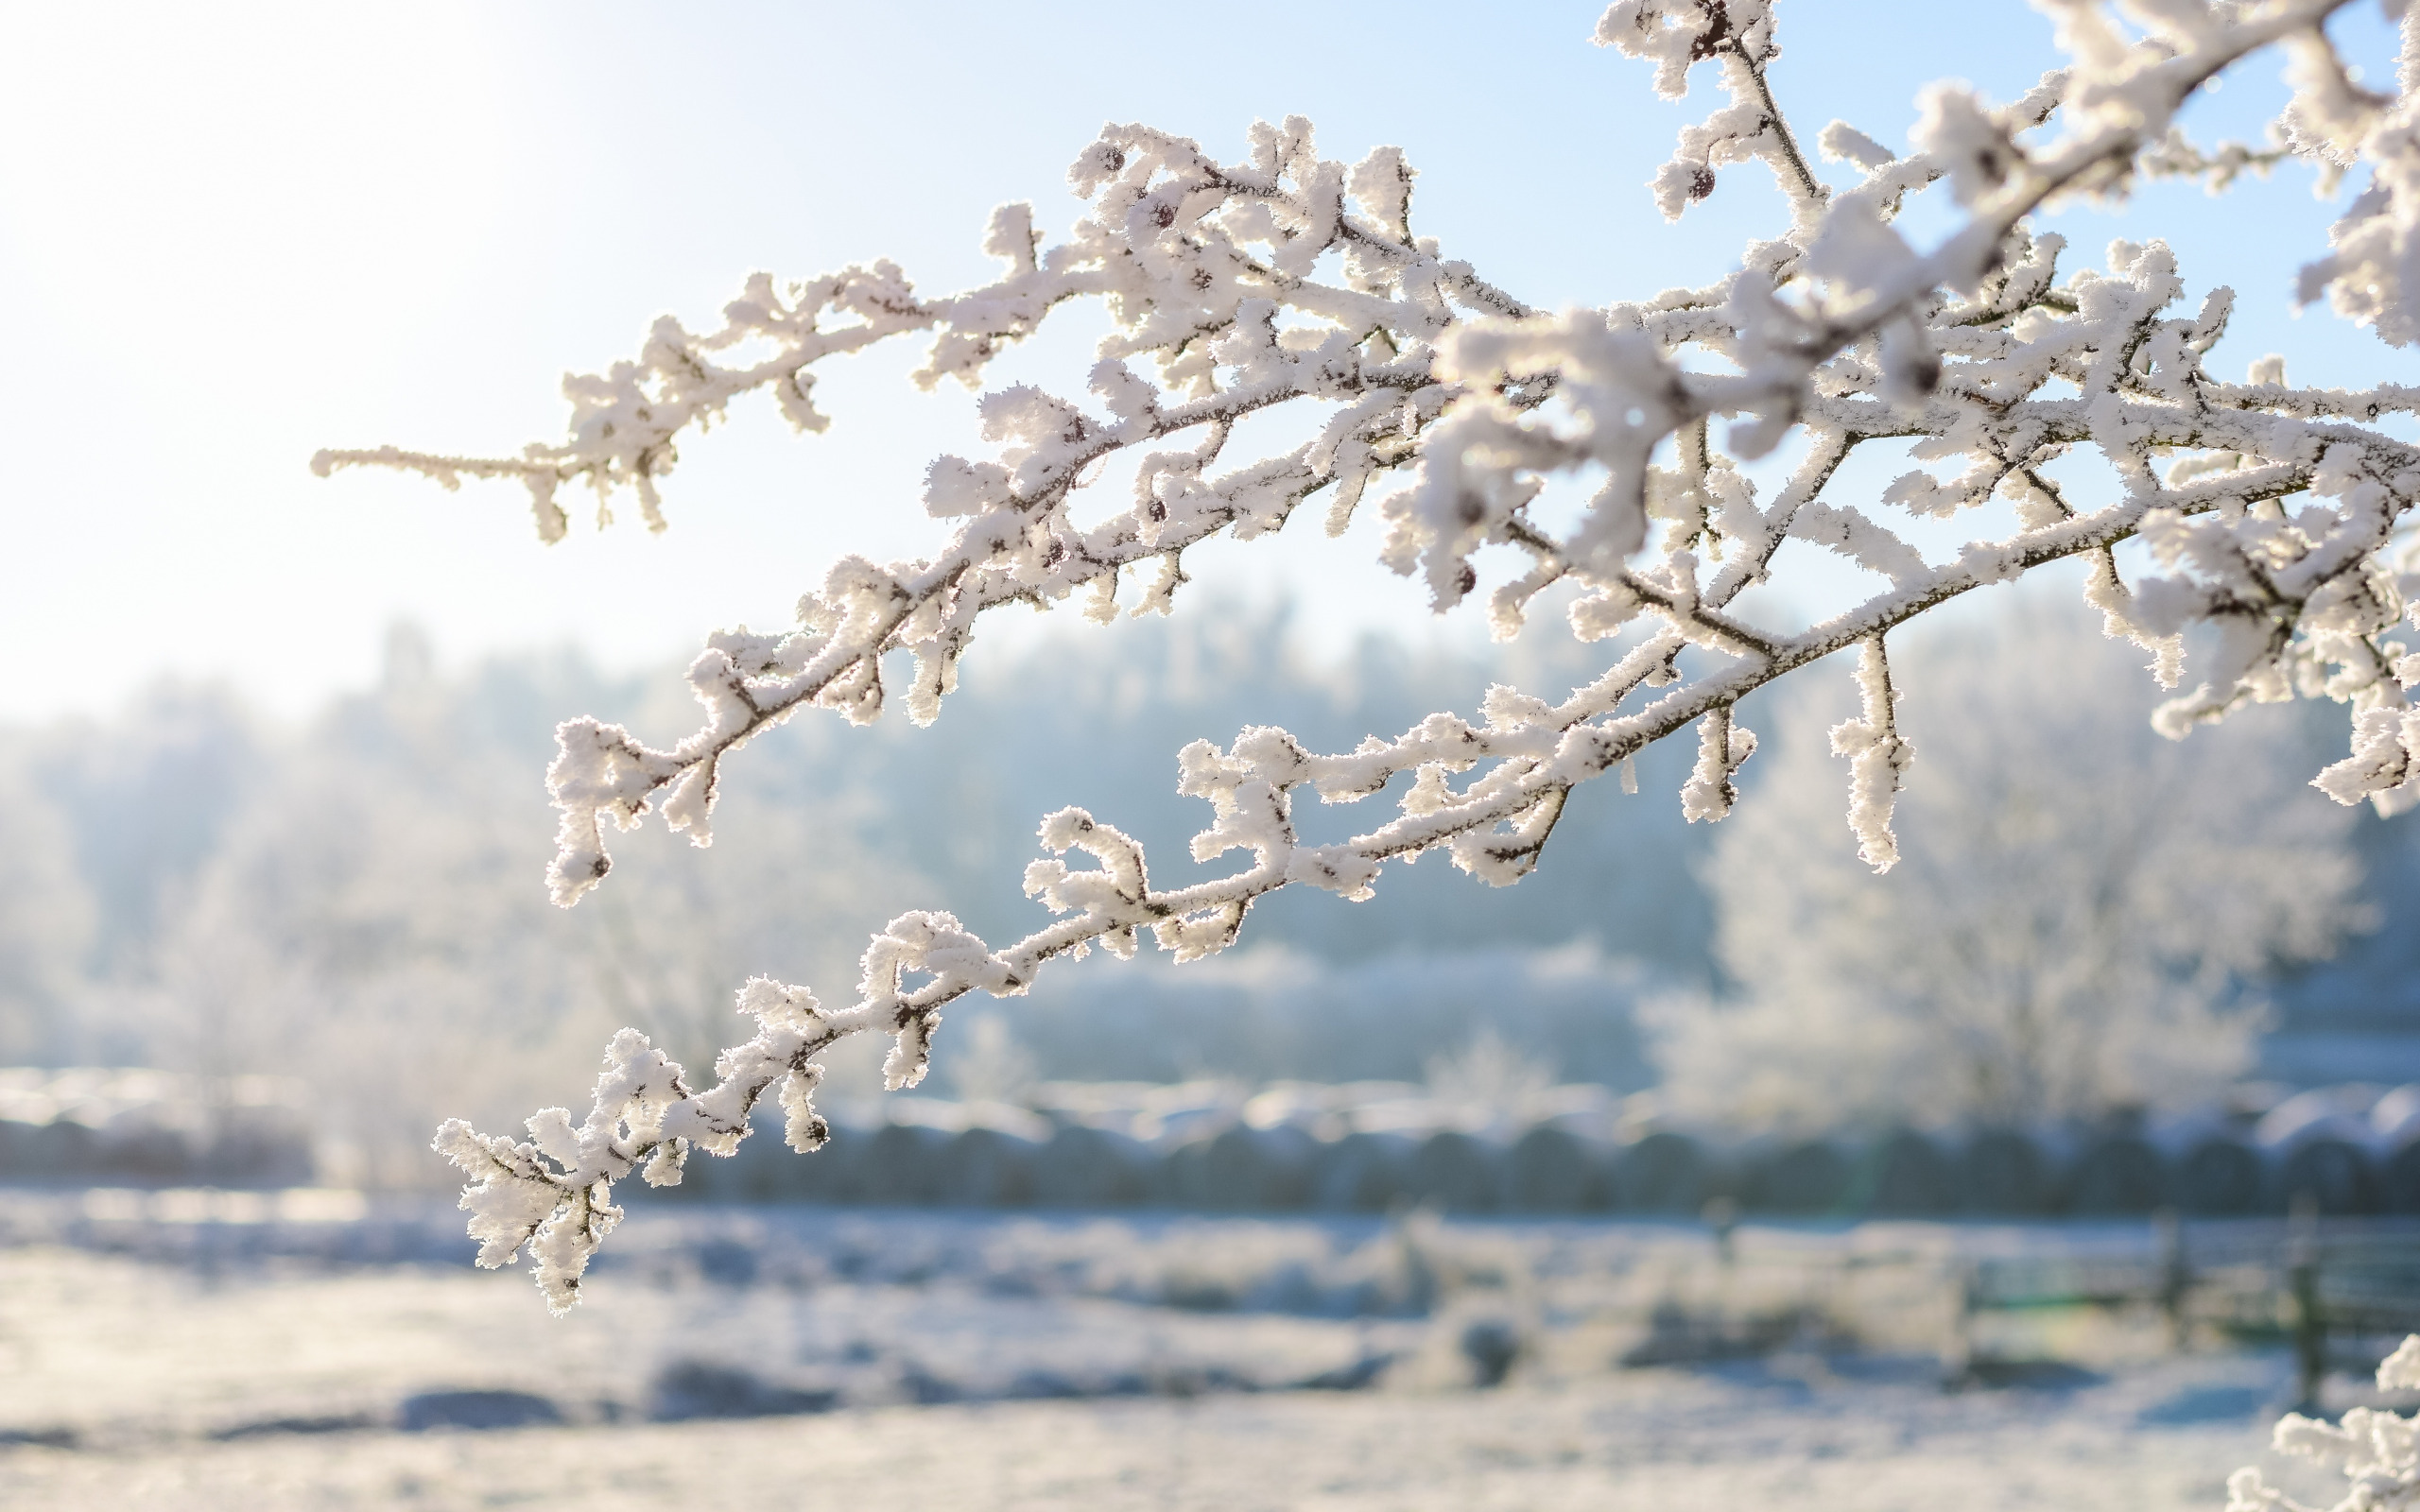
2378, 1452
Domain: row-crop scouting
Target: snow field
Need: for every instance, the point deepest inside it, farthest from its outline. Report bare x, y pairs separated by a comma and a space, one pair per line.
805, 1357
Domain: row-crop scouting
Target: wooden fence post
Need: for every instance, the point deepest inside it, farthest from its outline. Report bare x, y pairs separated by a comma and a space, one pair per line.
1958, 1350
2302, 1285
2175, 1276
1721, 1214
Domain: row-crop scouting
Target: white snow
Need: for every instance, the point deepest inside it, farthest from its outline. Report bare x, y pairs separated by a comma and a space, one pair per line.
919, 1360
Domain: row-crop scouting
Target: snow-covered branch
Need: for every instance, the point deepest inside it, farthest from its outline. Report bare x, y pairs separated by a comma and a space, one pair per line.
1293, 282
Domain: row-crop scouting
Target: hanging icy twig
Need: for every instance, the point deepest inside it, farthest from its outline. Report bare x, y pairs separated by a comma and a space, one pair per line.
1723, 748
1878, 758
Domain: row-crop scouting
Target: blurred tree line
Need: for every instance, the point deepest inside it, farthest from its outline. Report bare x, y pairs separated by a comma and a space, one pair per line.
359, 897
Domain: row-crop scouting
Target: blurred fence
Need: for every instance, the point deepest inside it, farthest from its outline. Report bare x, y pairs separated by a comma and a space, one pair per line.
2342, 1297
1322, 1152
94, 1126
1365, 1147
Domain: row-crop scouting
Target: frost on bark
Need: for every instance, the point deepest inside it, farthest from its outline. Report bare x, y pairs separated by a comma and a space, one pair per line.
1445, 403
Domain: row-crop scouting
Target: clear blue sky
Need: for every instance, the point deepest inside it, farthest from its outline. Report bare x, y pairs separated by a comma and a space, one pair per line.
229, 236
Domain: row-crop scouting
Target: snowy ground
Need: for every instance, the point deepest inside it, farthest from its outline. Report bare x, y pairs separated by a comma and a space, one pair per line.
870, 1360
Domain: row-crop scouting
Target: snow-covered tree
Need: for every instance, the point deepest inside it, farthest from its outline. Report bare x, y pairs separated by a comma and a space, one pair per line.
46, 925
1291, 282
2077, 905
365, 910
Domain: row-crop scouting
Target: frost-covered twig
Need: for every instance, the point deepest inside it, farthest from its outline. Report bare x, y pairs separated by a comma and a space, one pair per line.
1290, 280
1878, 758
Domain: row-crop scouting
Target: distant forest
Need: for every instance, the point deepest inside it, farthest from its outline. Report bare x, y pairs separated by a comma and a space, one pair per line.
360, 896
